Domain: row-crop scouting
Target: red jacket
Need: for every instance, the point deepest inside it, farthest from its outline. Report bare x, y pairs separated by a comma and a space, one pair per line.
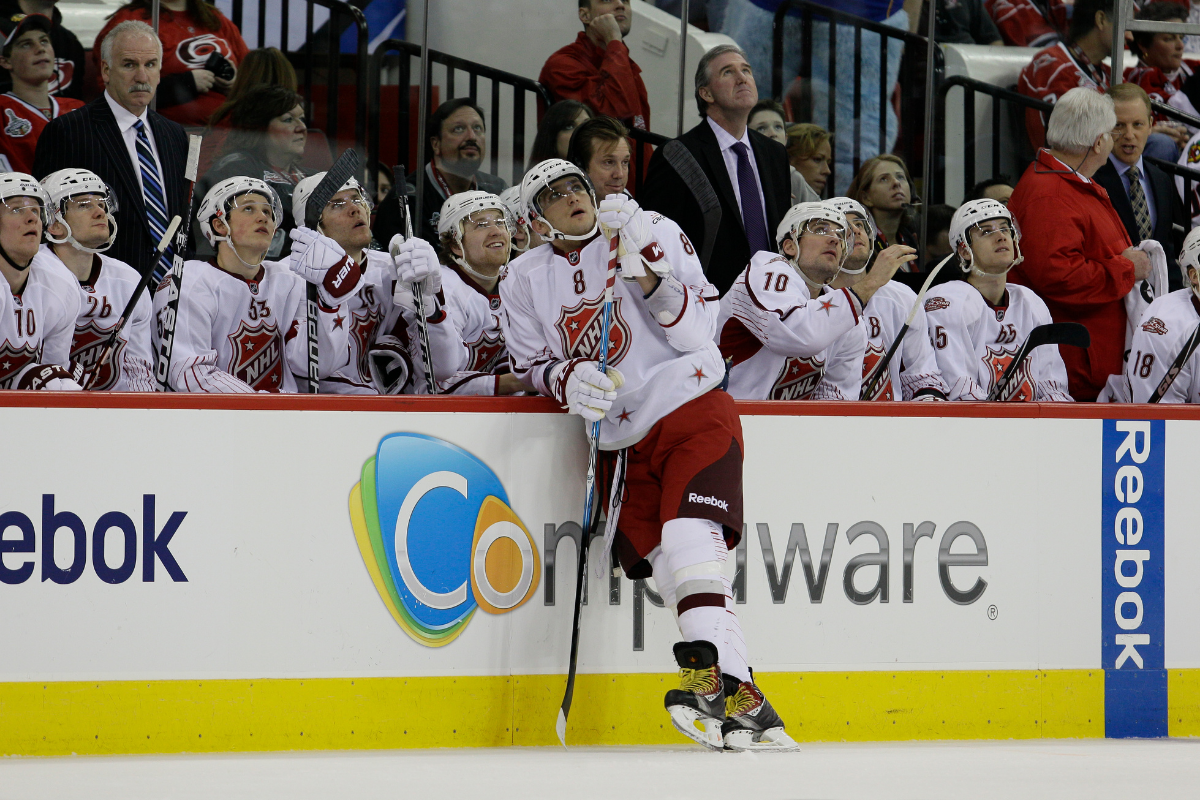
1023, 25
1053, 72
606, 79
1158, 84
1072, 240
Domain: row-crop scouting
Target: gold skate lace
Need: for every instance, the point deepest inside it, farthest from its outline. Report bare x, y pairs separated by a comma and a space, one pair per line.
743, 700
700, 681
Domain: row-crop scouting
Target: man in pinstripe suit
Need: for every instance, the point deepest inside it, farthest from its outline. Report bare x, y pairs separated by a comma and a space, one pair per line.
138, 153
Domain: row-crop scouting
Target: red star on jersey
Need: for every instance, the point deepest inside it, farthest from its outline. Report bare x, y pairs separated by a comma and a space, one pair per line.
826, 305
338, 320
698, 374
623, 417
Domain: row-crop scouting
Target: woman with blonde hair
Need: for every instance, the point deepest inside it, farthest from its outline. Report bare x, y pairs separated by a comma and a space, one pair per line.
810, 152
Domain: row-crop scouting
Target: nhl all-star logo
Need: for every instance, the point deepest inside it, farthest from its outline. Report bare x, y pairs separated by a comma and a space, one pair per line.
17, 126
883, 389
798, 378
486, 352
13, 360
579, 329
86, 349
1020, 388
256, 356
362, 329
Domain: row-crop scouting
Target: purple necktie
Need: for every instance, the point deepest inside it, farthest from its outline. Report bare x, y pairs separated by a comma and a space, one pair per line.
752, 210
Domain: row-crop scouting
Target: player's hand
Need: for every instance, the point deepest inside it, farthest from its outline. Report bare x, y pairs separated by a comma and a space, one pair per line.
584, 389
1141, 262
509, 384
605, 28
417, 266
322, 261
204, 80
390, 364
886, 265
1178, 133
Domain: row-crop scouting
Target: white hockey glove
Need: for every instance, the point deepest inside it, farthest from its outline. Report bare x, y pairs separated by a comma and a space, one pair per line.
417, 269
322, 261
584, 389
390, 364
621, 213
49, 377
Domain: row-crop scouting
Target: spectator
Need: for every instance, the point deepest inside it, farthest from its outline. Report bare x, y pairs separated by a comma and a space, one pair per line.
555, 129
267, 66
884, 187
458, 140
810, 155
1163, 72
1022, 23
267, 142
998, 188
767, 117
753, 186
597, 68
1077, 61
383, 180
1143, 195
1078, 257
69, 60
138, 153
937, 245
600, 147
28, 57
961, 22
201, 51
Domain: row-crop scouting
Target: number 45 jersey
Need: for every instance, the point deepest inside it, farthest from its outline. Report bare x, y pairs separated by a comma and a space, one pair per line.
974, 343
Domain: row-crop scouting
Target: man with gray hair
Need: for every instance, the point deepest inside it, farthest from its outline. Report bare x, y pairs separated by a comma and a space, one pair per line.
139, 154
747, 171
1078, 257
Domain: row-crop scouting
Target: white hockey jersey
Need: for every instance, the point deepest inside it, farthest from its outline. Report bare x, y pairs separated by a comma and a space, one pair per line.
554, 304
36, 326
1165, 328
785, 345
102, 299
468, 343
974, 343
913, 368
235, 335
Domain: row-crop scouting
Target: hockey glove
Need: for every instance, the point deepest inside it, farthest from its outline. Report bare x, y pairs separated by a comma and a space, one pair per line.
641, 251
391, 365
583, 389
49, 377
417, 267
322, 261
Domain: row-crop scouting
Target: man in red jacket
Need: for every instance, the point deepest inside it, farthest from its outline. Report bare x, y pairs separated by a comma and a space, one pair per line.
1078, 257
596, 69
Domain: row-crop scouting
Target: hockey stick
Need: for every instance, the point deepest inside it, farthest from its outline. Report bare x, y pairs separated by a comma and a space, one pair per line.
1071, 333
109, 346
418, 300
689, 170
1176, 367
881, 368
560, 725
342, 170
162, 369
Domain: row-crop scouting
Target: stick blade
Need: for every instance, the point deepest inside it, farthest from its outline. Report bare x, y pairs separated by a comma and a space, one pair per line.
560, 727
342, 170
1069, 333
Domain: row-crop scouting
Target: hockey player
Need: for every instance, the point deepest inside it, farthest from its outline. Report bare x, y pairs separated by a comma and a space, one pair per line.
239, 323
523, 238
1166, 327
82, 228
786, 333
976, 326
660, 403
28, 105
913, 367
40, 300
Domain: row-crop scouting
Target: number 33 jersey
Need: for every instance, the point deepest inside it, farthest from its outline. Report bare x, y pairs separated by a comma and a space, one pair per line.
974, 343
233, 334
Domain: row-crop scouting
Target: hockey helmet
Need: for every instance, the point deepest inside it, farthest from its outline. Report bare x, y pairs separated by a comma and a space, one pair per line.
848, 206
67, 183
973, 213
800, 220
18, 184
457, 209
539, 179
511, 198
1189, 256
307, 186
221, 198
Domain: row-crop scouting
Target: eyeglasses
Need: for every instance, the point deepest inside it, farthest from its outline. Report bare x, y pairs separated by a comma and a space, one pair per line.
987, 230
19, 208
572, 188
824, 228
90, 204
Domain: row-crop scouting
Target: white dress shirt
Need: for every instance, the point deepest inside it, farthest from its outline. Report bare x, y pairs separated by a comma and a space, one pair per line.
726, 142
125, 123
1123, 170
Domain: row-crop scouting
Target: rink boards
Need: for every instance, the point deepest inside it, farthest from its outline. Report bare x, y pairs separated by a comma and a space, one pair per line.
212, 574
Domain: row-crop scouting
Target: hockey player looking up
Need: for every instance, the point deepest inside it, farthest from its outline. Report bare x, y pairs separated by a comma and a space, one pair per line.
789, 336
977, 325
41, 301
913, 367
83, 228
523, 237
676, 433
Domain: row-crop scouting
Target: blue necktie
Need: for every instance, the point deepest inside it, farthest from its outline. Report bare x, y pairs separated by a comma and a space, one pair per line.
752, 210
152, 193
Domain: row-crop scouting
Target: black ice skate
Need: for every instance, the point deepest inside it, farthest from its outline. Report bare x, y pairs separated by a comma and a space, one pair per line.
697, 707
750, 721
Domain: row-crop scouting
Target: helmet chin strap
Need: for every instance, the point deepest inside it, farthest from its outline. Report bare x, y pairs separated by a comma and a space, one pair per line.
462, 260
70, 237
841, 268
970, 265
555, 233
15, 265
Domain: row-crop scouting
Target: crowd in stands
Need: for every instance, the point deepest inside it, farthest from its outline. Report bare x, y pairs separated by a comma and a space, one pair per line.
808, 238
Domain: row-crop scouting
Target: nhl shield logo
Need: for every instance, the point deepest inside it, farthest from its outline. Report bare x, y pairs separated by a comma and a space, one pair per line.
1020, 388
257, 355
579, 329
883, 390
86, 349
362, 329
798, 378
486, 353
13, 360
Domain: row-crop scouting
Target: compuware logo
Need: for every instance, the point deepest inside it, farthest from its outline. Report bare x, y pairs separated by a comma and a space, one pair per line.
438, 537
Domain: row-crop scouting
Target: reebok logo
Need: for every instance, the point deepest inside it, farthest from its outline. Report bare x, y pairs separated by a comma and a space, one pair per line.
708, 501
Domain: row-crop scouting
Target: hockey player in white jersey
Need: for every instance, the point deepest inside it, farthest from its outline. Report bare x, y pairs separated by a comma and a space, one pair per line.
40, 299
523, 237
239, 327
1164, 332
913, 367
661, 404
82, 229
786, 333
976, 326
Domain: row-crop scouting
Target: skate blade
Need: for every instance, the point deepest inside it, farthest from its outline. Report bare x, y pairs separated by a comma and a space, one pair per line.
772, 740
696, 726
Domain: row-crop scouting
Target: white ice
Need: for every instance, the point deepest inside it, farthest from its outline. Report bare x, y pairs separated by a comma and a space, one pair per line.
1026, 770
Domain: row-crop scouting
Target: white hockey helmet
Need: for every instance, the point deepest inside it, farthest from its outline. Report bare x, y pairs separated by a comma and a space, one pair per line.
972, 213
539, 178
1189, 256
456, 210
67, 183
796, 223
307, 186
220, 198
18, 184
511, 198
849, 206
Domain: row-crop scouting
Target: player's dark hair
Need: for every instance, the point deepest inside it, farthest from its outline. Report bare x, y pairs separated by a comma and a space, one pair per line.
767, 104
558, 118
433, 127
978, 189
595, 131
1083, 18
204, 13
1157, 11
939, 216
251, 115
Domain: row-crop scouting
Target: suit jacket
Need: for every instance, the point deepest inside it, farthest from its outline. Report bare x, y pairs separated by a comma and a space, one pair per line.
1168, 209
665, 192
88, 138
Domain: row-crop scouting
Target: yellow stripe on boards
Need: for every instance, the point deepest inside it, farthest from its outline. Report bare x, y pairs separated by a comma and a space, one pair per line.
1183, 702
